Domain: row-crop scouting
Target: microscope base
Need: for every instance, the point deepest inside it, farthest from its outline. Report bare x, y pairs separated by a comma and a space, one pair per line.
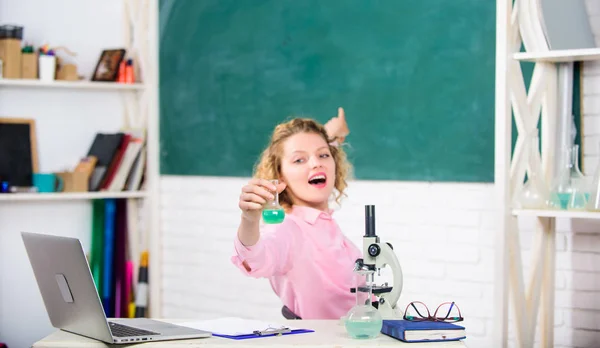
389, 313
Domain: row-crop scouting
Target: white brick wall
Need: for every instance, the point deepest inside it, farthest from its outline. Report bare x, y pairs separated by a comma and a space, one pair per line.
443, 235
446, 254
443, 257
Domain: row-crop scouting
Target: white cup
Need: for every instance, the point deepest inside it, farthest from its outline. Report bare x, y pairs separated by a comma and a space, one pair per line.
47, 67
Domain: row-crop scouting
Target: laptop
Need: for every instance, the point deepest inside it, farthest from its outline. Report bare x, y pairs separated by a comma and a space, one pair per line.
72, 302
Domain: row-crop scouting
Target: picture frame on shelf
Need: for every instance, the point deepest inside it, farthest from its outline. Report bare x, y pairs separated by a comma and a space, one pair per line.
107, 67
18, 150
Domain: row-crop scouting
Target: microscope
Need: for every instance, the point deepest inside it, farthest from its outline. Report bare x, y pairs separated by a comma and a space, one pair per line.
377, 255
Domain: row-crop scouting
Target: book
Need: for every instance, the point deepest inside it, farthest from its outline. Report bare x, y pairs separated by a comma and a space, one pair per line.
134, 179
423, 331
123, 169
104, 147
116, 162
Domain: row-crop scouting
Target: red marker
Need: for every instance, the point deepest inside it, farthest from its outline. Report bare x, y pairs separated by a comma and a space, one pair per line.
129, 76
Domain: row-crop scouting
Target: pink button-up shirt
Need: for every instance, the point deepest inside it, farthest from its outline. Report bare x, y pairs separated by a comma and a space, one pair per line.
308, 261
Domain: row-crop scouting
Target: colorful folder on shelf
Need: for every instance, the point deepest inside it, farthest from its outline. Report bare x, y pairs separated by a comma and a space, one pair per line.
97, 254
120, 260
108, 283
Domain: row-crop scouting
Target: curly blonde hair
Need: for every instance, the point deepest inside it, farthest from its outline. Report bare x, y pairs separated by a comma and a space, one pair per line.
269, 164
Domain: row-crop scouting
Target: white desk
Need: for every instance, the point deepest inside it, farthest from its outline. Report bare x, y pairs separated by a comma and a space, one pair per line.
328, 333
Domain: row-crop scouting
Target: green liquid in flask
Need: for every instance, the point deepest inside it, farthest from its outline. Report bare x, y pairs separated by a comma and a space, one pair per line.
565, 198
363, 329
273, 216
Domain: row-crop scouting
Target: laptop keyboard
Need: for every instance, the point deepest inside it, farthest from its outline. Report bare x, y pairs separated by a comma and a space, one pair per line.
119, 330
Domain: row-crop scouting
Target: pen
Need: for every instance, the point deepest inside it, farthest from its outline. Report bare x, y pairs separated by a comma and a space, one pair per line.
272, 331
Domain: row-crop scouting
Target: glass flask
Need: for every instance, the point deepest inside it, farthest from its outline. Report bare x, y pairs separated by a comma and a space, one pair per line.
594, 199
273, 213
580, 192
535, 193
363, 321
570, 185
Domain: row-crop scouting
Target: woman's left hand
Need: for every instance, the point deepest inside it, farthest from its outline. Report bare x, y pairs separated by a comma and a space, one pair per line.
337, 127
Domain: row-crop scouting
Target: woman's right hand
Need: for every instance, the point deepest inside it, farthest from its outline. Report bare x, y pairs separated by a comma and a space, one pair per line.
254, 196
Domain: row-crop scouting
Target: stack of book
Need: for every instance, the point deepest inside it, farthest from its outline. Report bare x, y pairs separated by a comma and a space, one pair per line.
116, 161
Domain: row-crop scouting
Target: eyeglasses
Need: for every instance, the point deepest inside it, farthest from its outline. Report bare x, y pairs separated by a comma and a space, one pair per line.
418, 311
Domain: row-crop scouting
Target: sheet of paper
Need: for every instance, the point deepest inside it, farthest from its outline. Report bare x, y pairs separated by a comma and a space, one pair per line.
232, 326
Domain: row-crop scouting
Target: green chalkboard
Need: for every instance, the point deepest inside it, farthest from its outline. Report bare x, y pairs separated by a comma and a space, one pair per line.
416, 79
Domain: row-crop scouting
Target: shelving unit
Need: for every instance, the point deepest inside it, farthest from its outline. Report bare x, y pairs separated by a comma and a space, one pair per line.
557, 213
559, 56
533, 298
140, 111
70, 196
28, 83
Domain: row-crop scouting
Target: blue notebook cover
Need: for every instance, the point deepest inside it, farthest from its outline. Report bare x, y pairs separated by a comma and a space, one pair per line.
423, 331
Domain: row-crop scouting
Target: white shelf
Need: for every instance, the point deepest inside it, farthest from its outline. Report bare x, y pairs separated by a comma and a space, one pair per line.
557, 213
71, 84
69, 196
559, 55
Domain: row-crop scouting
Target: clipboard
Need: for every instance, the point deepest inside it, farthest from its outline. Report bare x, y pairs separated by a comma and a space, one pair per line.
269, 332
241, 329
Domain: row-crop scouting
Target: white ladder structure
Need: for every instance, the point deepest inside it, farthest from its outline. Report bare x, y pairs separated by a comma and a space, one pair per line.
518, 23
141, 112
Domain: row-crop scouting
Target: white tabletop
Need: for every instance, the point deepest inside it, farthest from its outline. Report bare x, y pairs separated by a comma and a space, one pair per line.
328, 333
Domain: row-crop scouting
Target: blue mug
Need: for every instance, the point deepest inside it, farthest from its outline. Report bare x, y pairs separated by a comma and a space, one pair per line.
47, 182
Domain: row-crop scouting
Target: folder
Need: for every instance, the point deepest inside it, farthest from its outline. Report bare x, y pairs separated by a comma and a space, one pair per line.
97, 257
240, 329
108, 283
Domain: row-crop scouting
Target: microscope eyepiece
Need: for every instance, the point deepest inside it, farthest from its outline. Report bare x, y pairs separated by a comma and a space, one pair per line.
369, 221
